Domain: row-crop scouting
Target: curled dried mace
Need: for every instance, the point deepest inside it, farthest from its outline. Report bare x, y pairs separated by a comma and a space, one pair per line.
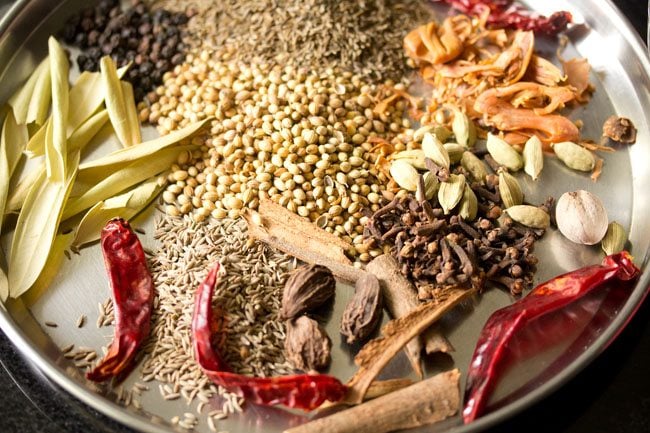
544, 299
303, 391
132, 287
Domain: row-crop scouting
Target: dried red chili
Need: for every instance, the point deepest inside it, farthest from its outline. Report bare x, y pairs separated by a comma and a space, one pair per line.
132, 287
505, 14
303, 391
546, 298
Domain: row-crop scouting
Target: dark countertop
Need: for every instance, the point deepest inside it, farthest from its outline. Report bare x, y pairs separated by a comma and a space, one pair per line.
612, 395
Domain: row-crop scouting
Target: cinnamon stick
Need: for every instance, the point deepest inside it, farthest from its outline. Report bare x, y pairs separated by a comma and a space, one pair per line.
423, 403
374, 356
282, 229
400, 299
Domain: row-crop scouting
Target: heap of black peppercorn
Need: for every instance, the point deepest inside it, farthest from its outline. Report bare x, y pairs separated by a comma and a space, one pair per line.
152, 40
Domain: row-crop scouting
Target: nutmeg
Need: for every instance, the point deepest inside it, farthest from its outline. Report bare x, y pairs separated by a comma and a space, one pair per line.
581, 217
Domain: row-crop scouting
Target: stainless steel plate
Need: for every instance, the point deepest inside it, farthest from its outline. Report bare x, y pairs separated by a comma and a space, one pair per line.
621, 73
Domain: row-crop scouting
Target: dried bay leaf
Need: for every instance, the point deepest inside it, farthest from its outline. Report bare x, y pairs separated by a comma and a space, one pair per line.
12, 141
35, 231
131, 111
51, 269
77, 142
94, 171
39, 103
126, 206
124, 178
55, 149
21, 99
127, 132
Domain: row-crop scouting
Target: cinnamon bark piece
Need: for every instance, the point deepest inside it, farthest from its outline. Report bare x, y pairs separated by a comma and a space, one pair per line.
423, 403
282, 229
374, 356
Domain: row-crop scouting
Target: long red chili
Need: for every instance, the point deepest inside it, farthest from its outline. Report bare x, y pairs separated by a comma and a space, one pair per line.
132, 287
546, 298
504, 14
303, 391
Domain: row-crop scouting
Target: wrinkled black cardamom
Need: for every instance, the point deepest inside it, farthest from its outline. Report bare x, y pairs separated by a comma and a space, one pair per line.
307, 288
307, 345
363, 312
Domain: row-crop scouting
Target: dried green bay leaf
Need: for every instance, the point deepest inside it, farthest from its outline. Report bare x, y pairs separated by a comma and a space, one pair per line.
533, 157
94, 171
414, 157
118, 181
35, 231
4, 283
77, 142
575, 156
12, 141
51, 269
126, 206
474, 166
21, 99
39, 104
451, 192
55, 149
404, 174
509, 189
504, 154
530, 216
126, 130
434, 150
615, 239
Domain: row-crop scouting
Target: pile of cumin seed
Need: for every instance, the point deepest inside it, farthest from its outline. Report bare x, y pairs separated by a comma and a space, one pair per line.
360, 36
247, 296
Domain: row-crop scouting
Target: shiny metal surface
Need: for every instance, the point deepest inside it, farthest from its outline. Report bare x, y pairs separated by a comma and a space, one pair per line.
622, 77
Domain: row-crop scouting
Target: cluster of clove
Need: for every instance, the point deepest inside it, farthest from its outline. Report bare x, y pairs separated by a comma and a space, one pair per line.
437, 251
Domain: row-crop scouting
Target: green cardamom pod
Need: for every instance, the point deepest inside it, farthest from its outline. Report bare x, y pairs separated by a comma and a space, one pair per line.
414, 157
455, 152
574, 156
431, 185
511, 194
464, 129
468, 207
530, 216
533, 157
441, 132
615, 239
434, 150
504, 154
451, 192
404, 174
474, 166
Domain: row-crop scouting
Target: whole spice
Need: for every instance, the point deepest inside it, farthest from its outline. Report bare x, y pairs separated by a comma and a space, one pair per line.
615, 239
151, 40
533, 157
464, 129
404, 174
546, 298
503, 153
423, 403
396, 334
581, 217
506, 14
305, 391
364, 311
620, 129
307, 345
530, 216
575, 156
435, 151
132, 287
510, 191
451, 192
308, 287
468, 207
474, 166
